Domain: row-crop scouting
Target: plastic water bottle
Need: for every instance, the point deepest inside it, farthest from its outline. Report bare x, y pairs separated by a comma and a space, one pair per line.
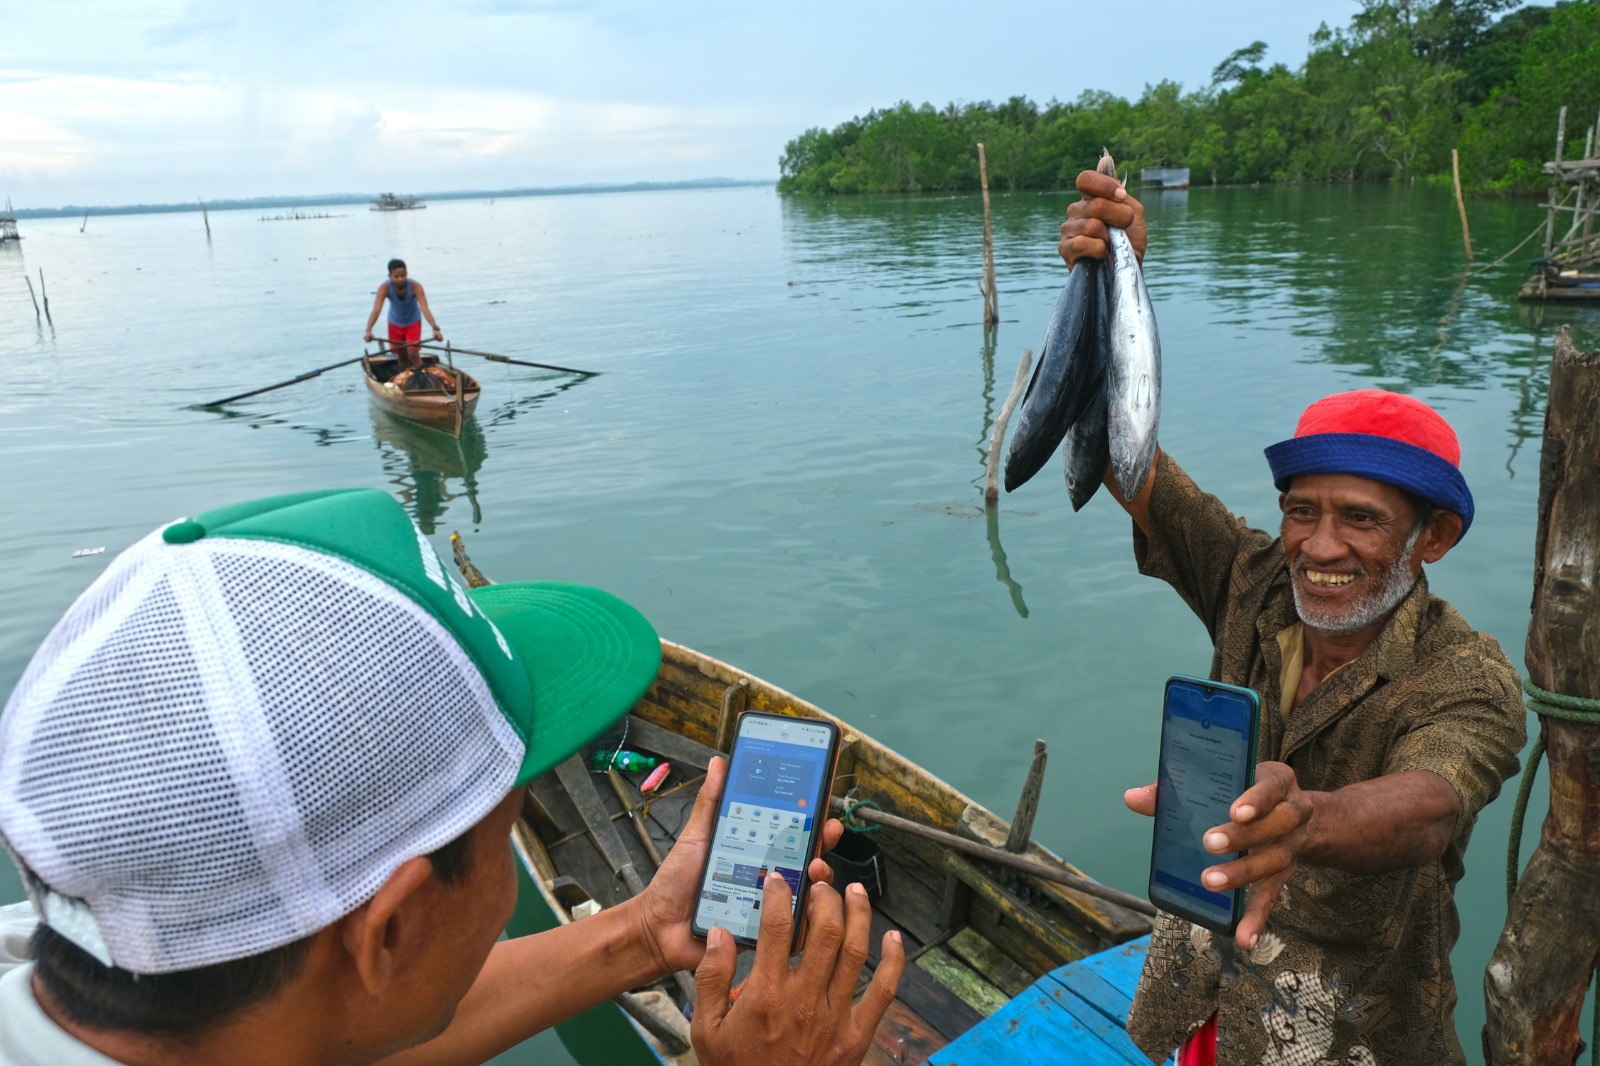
626, 761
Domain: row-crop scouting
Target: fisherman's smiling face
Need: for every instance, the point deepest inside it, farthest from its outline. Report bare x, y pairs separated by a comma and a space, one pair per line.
1355, 547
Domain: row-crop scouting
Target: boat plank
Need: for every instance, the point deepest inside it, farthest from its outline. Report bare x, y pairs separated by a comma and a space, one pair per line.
947, 1012
1034, 1028
906, 1037
971, 947
963, 980
669, 745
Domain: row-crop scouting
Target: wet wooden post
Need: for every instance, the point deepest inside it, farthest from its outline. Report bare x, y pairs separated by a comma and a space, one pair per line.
1028, 805
205, 217
1455, 170
991, 484
991, 301
1537, 978
45, 296
34, 298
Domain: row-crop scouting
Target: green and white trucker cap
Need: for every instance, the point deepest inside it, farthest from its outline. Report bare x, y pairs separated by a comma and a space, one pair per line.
254, 716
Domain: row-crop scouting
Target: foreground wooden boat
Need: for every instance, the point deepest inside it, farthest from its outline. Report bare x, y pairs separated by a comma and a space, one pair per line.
976, 934
433, 405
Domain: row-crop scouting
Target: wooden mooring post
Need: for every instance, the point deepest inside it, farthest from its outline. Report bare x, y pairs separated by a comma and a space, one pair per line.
991, 301
1537, 978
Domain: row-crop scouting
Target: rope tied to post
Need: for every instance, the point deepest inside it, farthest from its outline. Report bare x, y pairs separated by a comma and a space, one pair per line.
1578, 709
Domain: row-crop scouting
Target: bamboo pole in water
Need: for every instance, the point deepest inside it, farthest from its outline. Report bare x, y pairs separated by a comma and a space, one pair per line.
991, 484
1536, 980
205, 217
991, 301
1455, 170
32, 297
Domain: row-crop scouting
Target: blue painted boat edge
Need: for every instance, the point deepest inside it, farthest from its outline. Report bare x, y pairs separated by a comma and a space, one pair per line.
1077, 1013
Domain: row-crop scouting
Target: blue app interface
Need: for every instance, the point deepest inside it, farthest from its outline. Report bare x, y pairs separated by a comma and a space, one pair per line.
764, 826
1205, 738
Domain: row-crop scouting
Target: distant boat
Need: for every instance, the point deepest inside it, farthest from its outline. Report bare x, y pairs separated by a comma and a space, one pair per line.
390, 202
1165, 177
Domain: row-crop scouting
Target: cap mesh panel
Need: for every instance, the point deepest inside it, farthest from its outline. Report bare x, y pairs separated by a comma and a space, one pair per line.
273, 732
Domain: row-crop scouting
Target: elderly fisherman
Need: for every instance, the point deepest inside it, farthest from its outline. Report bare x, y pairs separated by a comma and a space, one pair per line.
1387, 724
247, 838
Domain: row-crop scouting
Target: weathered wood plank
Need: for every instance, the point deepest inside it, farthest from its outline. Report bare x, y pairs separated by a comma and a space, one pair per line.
964, 981
667, 744
998, 969
943, 1009
906, 1036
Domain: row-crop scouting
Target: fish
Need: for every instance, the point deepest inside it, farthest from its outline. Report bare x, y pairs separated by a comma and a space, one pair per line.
1060, 388
1133, 377
1087, 451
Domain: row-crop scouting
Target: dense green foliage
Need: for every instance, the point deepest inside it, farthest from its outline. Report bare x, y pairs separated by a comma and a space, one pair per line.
1387, 97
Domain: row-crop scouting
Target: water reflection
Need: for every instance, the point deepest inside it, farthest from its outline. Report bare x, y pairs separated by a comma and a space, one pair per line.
997, 552
428, 469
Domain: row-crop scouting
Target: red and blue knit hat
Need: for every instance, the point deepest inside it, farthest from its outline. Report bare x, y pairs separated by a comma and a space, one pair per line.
1381, 435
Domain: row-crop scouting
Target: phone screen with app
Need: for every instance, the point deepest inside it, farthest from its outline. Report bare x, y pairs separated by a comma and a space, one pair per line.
1208, 742
780, 774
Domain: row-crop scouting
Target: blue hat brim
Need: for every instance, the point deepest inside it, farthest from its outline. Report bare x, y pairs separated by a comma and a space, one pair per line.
1393, 462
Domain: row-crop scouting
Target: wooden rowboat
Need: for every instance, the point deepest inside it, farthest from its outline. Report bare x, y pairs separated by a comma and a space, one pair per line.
976, 933
434, 405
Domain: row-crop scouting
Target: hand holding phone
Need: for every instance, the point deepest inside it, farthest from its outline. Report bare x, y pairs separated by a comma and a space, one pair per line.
1208, 760
769, 821
805, 1014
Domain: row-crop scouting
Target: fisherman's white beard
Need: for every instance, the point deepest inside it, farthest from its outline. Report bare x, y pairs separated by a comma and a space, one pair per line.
1392, 585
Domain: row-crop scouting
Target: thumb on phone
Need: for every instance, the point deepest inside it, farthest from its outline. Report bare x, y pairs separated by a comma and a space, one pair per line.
714, 980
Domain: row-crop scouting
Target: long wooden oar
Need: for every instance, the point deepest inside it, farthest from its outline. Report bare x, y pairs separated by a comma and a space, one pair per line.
1036, 867
309, 374
441, 345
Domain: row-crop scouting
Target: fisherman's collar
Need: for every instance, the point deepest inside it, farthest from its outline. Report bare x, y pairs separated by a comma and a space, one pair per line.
1391, 653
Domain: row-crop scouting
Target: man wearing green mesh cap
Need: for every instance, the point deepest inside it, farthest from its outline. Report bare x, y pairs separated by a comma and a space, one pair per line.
249, 836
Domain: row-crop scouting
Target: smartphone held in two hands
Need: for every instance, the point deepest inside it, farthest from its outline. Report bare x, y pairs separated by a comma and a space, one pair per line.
1208, 760
780, 776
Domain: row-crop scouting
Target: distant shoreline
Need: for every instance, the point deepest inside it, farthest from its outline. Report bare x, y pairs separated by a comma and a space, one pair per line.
336, 199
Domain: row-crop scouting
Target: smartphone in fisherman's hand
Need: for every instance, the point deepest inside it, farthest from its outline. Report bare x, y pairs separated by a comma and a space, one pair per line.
1208, 760
780, 775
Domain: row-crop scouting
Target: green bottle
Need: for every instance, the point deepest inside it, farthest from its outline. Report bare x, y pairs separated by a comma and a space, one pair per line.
626, 761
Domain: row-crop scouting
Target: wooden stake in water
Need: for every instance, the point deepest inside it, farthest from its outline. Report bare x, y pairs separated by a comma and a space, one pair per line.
32, 297
991, 484
1455, 169
45, 296
204, 217
991, 300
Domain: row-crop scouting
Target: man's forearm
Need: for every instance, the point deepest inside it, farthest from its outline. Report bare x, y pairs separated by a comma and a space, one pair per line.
1398, 820
530, 983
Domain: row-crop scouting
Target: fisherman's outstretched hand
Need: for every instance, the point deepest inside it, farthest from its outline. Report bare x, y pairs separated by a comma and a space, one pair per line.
1269, 824
666, 907
1105, 203
803, 1014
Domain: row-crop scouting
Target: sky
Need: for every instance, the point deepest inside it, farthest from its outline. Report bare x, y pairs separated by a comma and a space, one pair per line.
107, 102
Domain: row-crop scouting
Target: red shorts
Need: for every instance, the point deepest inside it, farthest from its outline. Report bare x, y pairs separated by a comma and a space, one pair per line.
1201, 1047
411, 333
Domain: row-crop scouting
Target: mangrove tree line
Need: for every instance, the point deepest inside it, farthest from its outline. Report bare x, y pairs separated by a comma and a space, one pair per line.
1386, 97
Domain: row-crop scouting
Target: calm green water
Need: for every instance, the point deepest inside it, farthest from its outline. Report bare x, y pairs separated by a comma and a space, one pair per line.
781, 462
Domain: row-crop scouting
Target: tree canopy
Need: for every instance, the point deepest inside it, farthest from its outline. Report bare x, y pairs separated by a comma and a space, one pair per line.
1386, 97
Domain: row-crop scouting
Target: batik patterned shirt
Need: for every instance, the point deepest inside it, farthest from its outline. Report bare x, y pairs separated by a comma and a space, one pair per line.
1354, 969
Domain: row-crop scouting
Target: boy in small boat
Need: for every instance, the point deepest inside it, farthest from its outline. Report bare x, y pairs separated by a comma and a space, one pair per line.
408, 306
248, 838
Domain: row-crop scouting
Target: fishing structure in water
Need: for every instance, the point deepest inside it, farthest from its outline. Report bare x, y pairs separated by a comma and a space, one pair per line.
1570, 269
390, 202
8, 224
1098, 383
991, 301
